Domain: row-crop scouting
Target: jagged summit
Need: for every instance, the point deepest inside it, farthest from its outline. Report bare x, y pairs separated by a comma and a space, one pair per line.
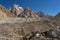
17, 6
20, 12
17, 9
28, 13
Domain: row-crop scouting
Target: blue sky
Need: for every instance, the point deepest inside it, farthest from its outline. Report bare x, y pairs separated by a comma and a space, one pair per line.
51, 7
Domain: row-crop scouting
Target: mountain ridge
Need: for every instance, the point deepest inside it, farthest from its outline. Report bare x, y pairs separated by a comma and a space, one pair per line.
18, 11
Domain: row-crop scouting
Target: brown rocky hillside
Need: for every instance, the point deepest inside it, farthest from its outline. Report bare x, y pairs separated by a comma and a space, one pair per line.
47, 28
4, 13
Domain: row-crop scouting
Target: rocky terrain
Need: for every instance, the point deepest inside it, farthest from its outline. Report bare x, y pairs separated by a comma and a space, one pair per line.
5, 13
24, 24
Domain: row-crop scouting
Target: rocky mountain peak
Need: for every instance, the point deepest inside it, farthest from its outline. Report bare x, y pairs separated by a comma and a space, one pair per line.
17, 6
17, 9
28, 13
